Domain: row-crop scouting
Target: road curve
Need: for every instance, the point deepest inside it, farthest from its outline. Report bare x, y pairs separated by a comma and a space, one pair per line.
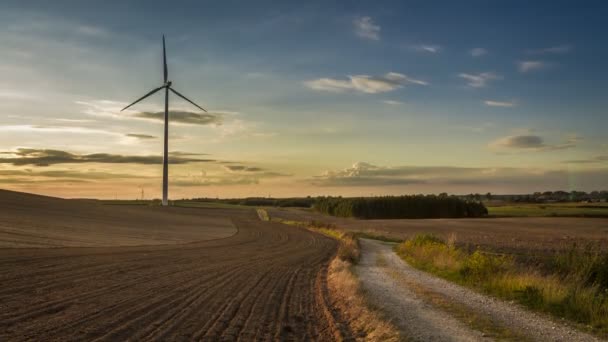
266, 282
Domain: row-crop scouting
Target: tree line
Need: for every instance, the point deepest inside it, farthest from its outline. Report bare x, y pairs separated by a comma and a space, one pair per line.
397, 207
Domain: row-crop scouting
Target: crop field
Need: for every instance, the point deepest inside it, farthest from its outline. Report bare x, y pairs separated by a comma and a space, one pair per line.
516, 234
549, 209
197, 274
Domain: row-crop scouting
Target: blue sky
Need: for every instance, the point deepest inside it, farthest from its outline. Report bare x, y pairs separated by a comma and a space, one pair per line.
318, 98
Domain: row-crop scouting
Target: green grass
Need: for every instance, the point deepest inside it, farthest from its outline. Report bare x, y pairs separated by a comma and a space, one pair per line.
550, 210
571, 285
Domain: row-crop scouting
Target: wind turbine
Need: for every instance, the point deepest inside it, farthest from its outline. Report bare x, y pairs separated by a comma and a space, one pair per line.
167, 86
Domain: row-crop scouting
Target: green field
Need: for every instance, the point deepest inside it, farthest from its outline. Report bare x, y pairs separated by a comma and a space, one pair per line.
549, 210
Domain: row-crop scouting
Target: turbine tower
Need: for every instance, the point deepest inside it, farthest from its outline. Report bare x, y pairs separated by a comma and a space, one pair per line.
167, 86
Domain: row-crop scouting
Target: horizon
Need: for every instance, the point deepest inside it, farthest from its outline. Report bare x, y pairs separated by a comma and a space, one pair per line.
388, 98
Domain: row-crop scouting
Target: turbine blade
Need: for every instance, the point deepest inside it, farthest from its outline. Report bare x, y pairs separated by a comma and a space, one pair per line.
165, 60
185, 98
143, 97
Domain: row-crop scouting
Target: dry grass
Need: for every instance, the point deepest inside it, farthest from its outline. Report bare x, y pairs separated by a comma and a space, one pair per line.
263, 214
366, 322
571, 285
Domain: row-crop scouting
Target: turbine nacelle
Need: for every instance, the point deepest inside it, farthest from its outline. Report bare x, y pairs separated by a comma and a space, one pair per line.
168, 84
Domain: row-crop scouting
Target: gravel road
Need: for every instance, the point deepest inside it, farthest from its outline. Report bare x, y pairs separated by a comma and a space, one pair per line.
389, 282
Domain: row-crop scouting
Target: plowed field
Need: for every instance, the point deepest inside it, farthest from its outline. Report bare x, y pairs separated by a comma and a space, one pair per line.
265, 282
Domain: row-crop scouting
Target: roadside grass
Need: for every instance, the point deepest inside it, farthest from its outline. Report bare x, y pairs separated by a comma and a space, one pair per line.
549, 210
366, 322
263, 214
571, 285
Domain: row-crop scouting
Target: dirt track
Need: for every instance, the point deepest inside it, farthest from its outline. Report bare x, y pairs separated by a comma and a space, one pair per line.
265, 282
392, 285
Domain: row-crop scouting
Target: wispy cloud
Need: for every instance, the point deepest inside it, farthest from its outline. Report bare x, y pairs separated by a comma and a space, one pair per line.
364, 83
429, 48
500, 103
140, 136
237, 168
183, 117
93, 31
478, 52
16, 95
111, 109
531, 142
55, 129
558, 49
592, 160
479, 80
366, 28
70, 174
527, 66
392, 102
46, 157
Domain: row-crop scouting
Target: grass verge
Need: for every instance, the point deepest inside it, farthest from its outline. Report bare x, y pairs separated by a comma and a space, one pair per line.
571, 285
366, 322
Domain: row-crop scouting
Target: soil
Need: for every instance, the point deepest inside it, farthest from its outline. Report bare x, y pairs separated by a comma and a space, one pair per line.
37, 221
267, 281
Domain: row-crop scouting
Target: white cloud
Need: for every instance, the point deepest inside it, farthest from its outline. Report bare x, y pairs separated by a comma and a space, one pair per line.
364, 83
365, 28
478, 52
526, 66
559, 49
479, 80
392, 102
427, 48
500, 103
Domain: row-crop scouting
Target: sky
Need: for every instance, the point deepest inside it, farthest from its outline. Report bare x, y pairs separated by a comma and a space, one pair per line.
304, 98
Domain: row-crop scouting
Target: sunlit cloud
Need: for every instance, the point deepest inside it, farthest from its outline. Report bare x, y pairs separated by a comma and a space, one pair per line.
364, 83
366, 28
364, 174
479, 80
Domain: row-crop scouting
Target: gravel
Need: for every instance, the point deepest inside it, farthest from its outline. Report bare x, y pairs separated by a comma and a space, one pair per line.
423, 322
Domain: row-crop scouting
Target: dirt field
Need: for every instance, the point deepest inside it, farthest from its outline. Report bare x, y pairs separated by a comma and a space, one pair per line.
513, 233
37, 221
267, 281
